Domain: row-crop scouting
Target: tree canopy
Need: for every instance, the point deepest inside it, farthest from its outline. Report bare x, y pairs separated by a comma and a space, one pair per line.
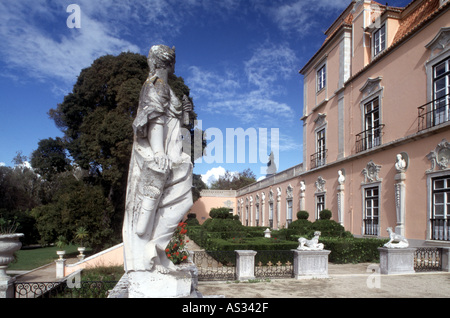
234, 180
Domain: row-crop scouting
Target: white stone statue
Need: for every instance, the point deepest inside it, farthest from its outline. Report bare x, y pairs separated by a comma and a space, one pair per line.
402, 242
302, 186
400, 164
160, 173
341, 177
310, 245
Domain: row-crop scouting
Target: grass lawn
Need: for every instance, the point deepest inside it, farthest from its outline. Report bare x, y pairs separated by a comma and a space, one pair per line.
28, 259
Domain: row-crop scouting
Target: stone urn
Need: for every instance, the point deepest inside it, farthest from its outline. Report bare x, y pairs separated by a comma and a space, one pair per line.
61, 254
81, 255
9, 244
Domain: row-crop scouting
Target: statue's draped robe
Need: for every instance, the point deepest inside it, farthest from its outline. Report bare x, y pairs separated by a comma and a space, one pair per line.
171, 189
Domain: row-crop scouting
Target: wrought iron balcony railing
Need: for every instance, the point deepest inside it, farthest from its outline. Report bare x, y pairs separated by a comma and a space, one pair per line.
434, 113
369, 138
319, 158
370, 226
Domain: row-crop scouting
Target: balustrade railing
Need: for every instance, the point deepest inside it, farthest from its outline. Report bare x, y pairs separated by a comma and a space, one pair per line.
370, 226
428, 259
440, 229
434, 113
369, 138
274, 264
318, 159
83, 289
215, 265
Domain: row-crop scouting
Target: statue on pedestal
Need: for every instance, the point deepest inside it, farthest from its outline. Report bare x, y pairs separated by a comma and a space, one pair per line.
160, 173
312, 244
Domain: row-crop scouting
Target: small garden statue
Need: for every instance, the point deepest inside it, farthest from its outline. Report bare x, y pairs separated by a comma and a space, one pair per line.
402, 242
310, 245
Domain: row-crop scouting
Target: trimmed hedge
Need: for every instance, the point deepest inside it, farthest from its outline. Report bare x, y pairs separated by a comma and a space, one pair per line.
229, 235
353, 250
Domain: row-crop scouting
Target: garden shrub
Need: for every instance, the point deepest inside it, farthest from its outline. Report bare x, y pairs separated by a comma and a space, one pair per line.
353, 250
325, 214
330, 228
220, 213
301, 226
192, 221
302, 215
223, 225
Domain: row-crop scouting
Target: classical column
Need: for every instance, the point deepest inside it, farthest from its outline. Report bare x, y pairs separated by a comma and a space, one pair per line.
263, 204
278, 207
400, 192
340, 196
302, 195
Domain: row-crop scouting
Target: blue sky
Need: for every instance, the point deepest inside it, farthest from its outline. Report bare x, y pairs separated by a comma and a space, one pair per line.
240, 59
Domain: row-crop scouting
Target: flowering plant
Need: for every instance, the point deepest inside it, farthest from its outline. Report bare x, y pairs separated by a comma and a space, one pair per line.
176, 250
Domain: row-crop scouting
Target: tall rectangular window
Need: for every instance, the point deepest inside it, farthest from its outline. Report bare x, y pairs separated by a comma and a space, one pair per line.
320, 204
441, 209
289, 212
441, 88
321, 149
372, 127
271, 215
379, 40
322, 77
257, 215
371, 211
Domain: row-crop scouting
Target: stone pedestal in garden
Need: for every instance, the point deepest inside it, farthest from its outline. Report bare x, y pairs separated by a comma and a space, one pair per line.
157, 285
396, 260
245, 265
9, 244
7, 287
60, 268
181, 283
311, 264
446, 259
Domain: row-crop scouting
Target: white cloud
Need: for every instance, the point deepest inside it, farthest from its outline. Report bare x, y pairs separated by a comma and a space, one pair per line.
29, 46
251, 96
300, 16
213, 175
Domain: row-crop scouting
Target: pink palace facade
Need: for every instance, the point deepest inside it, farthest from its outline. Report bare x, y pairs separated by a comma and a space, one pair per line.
376, 129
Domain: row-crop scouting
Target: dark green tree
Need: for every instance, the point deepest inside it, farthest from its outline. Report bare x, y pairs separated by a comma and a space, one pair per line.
97, 116
50, 158
234, 181
75, 204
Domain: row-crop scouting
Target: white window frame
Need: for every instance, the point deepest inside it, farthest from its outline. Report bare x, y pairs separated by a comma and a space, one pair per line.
373, 124
444, 114
379, 40
289, 209
321, 77
364, 189
320, 203
431, 177
321, 146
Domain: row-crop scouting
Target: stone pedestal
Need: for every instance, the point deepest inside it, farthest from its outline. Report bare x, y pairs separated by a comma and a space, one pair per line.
181, 283
446, 259
311, 264
396, 260
7, 287
245, 265
60, 268
157, 285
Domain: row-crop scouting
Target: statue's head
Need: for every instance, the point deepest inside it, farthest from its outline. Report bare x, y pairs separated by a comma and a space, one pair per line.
161, 56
